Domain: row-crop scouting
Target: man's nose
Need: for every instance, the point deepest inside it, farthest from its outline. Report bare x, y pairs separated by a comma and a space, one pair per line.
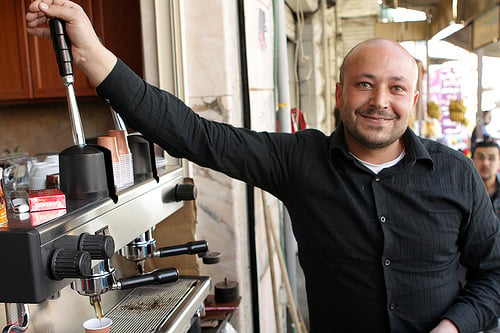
379, 98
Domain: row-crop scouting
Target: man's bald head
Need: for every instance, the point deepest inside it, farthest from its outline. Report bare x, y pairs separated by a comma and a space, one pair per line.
374, 44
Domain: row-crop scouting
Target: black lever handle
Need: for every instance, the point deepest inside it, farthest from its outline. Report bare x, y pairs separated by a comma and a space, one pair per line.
62, 46
194, 247
161, 276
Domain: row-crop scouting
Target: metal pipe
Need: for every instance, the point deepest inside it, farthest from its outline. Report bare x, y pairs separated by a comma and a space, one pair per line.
118, 122
245, 96
76, 121
285, 121
284, 114
326, 65
479, 114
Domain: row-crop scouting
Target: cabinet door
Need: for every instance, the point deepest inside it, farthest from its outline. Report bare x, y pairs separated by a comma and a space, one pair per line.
47, 83
15, 73
119, 24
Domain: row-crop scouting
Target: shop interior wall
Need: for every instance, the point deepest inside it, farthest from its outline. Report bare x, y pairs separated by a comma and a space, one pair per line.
46, 128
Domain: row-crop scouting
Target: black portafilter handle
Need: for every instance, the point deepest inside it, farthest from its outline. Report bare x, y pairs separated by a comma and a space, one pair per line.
161, 276
62, 46
194, 247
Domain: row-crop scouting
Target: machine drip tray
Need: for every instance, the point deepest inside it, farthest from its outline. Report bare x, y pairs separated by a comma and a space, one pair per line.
160, 308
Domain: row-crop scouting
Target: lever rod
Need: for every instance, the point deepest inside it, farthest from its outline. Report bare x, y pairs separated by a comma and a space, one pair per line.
62, 49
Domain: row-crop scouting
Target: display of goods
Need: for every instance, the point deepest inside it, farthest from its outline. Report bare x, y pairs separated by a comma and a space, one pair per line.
430, 129
433, 110
457, 111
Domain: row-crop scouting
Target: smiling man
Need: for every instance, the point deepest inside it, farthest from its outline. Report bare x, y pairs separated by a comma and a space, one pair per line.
376, 95
383, 218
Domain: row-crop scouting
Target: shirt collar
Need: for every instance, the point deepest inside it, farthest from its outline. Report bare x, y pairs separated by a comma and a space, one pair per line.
415, 149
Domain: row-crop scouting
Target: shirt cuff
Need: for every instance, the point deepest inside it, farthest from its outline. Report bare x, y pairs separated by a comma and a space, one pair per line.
463, 317
121, 87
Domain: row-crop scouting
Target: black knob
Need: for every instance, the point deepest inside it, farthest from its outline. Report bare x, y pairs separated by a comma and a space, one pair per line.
62, 46
98, 246
211, 258
70, 264
226, 291
185, 192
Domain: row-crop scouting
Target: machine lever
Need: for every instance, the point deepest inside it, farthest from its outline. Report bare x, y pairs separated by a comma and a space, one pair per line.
62, 48
161, 276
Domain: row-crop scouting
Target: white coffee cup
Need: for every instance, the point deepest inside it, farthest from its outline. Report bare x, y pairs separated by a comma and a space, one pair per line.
96, 325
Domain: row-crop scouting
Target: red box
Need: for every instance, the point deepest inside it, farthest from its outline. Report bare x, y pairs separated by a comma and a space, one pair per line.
46, 199
38, 218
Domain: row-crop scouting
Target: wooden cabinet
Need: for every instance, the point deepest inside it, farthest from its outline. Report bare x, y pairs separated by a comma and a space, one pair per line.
45, 78
118, 24
28, 65
15, 82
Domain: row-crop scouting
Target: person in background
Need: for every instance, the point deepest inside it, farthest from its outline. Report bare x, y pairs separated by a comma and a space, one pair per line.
485, 135
486, 157
382, 217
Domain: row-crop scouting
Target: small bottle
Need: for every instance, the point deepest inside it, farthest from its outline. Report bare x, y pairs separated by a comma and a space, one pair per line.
3, 205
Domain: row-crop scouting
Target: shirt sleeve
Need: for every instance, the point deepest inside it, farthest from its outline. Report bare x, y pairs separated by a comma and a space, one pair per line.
254, 157
478, 306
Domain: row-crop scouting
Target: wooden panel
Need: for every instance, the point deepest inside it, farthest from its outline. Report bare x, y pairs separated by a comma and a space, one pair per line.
15, 73
120, 26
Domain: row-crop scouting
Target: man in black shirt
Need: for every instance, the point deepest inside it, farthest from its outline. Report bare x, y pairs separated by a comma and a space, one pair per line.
382, 217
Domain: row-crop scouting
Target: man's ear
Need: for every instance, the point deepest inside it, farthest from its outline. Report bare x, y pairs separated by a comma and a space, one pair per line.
415, 99
338, 94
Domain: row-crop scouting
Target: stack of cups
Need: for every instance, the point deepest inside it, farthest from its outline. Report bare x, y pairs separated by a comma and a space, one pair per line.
109, 142
125, 156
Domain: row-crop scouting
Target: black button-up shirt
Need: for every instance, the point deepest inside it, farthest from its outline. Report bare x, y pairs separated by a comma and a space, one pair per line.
380, 252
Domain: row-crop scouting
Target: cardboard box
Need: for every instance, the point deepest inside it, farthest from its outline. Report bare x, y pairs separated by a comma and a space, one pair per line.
46, 199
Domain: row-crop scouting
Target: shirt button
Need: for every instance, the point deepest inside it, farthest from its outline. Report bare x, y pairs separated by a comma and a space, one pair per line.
387, 262
382, 219
377, 179
392, 306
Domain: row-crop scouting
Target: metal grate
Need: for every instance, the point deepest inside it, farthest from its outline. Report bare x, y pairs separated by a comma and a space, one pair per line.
146, 308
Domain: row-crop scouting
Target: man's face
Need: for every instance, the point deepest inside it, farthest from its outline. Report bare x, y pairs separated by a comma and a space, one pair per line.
377, 94
487, 162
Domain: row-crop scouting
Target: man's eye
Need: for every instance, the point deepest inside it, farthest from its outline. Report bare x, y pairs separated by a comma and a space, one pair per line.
399, 89
364, 84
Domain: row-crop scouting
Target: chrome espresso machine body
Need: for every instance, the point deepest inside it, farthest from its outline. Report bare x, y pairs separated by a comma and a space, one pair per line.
31, 252
53, 258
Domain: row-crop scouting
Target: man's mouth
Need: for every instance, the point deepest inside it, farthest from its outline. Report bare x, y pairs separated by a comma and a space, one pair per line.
377, 116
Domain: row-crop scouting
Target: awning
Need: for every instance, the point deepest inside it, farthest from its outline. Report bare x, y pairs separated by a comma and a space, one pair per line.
481, 34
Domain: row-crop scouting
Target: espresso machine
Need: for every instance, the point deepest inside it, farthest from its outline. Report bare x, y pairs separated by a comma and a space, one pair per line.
54, 257
52, 264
